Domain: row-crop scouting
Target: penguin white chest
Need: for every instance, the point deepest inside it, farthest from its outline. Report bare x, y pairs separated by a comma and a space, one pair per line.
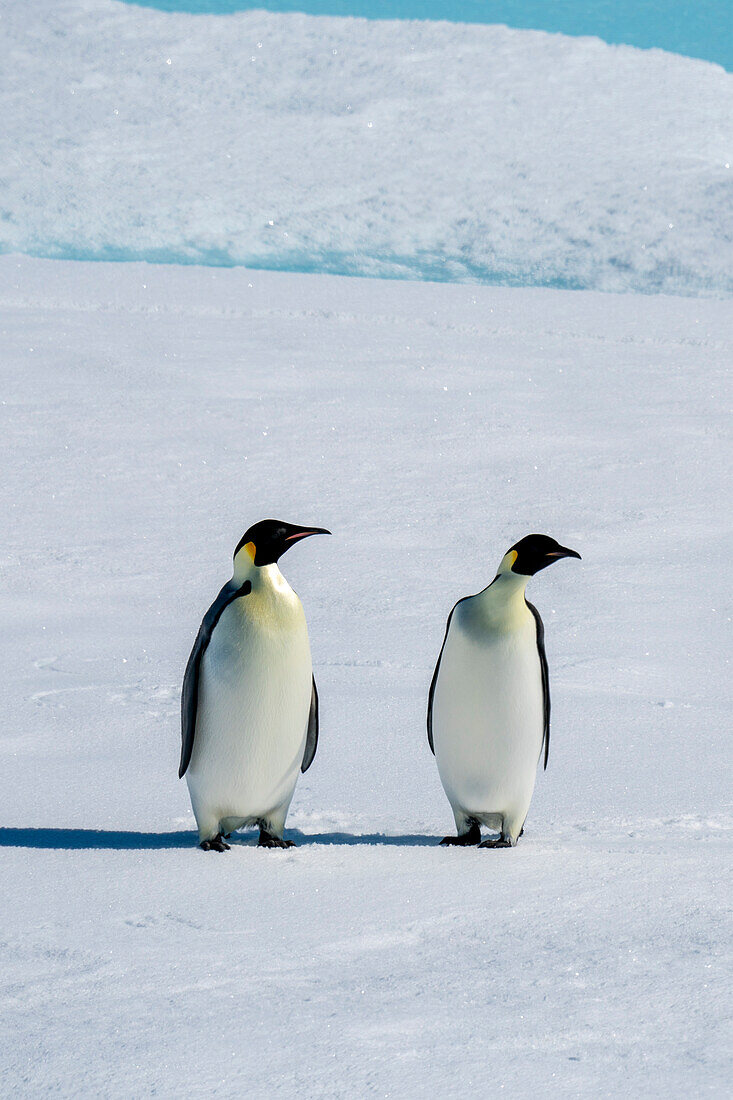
488, 713
254, 700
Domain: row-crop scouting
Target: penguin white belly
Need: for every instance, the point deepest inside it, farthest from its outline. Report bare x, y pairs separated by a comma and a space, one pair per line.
488, 721
254, 700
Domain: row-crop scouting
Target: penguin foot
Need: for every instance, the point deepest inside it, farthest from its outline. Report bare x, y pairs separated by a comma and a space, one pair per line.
473, 836
496, 842
267, 840
216, 844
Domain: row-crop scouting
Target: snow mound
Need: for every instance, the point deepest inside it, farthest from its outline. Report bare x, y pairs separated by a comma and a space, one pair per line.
419, 150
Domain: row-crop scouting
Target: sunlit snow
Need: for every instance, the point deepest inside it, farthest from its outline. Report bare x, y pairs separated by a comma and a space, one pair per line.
151, 414
151, 411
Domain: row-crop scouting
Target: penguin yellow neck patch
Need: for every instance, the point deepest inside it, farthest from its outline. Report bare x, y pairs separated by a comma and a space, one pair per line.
244, 562
508, 561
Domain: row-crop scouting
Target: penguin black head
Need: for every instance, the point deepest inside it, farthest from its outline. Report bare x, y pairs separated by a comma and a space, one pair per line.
534, 552
268, 540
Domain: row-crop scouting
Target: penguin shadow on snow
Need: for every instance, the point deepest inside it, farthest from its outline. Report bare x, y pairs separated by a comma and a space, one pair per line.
127, 840
103, 839
405, 840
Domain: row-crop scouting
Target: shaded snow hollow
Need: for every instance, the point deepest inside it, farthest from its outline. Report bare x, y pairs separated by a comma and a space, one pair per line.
402, 149
149, 415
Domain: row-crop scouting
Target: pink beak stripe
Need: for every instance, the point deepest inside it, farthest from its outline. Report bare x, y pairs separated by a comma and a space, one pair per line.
300, 535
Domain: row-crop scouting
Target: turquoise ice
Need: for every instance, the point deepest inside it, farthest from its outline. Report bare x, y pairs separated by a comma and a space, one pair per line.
703, 29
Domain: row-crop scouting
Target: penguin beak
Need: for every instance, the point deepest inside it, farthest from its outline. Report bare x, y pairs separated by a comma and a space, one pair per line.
307, 533
564, 552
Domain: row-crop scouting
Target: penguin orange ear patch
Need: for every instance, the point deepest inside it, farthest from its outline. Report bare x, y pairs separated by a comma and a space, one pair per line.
251, 549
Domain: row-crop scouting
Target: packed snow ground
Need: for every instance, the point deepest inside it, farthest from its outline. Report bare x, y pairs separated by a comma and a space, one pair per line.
426, 150
149, 415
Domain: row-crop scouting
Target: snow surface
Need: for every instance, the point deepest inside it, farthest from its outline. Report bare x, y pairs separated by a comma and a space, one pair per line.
149, 415
415, 149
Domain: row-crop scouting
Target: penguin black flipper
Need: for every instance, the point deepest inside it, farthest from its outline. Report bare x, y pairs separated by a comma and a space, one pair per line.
545, 677
190, 692
311, 740
434, 681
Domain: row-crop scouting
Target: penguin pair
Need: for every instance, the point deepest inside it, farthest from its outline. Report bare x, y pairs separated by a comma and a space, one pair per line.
249, 706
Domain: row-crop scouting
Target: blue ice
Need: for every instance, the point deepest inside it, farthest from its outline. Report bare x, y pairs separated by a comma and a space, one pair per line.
701, 29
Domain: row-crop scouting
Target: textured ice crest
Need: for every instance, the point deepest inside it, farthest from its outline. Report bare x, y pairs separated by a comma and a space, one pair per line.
692, 30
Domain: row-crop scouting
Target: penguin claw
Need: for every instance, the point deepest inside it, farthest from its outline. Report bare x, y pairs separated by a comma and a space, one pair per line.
496, 842
267, 840
216, 844
473, 836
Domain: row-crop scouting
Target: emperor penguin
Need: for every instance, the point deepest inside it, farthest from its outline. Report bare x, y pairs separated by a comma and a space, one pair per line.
489, 701
249, 706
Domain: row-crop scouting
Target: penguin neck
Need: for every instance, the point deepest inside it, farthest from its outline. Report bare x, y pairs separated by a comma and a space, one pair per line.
507, 585
262, 578
505, 595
